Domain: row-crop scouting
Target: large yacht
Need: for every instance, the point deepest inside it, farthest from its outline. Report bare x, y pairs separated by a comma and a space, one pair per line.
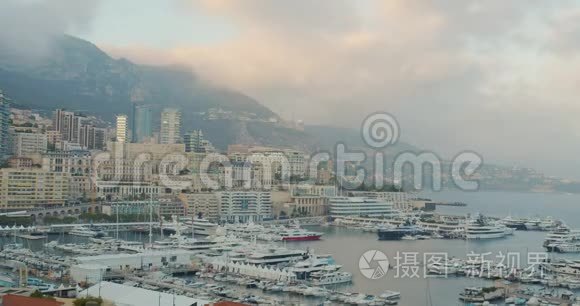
515, 223
480, 228
323, 278
300, 235
566, 248
448, 228
275, 256
85, 232
562, 235
304, 268
202, 226
397, 233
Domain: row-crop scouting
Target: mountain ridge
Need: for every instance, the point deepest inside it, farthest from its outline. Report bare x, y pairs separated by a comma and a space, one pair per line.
76, 74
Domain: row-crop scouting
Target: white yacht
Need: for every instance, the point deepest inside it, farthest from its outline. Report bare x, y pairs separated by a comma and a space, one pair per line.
448, 267
566, 248
330, 278
390, 295
304, 268
480, 228
548, 224
246, 230
85, 232
533, 224
202, 226
443, 227
562, 235
275, 256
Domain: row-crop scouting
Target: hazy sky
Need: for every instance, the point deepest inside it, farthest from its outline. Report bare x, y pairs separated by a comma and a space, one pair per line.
498, 77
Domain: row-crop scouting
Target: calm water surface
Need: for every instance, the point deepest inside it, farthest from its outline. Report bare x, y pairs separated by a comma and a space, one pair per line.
348, 245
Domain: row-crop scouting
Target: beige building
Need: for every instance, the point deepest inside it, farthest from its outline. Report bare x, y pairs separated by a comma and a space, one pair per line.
30, 188
280, 200
171, 206
295, 160
308, 200
25, 144
205, 203
81, 187
138, 162
170, 126
54, 139
125, 190
308, 206
74, 162
122, 126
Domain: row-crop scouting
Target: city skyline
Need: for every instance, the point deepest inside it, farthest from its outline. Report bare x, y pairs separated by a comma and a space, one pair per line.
434, 70
289, 152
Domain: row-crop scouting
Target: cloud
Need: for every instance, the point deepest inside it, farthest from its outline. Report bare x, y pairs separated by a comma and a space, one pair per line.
27, 26
458, 74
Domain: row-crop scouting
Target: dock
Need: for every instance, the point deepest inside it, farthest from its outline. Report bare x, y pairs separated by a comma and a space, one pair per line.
454, 204
30, 237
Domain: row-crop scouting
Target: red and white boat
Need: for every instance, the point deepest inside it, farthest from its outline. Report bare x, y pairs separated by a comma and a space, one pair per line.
300, 235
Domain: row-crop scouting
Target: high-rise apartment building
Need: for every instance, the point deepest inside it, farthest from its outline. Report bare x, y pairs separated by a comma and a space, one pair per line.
245, 206
170, 126
121, 126
141, 123
4, 126
68, 124
195, 142
92, 138
25, 144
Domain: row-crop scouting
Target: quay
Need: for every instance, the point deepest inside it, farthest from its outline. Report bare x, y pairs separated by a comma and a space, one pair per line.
454, 204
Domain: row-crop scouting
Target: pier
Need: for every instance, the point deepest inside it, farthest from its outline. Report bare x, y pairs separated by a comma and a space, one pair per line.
454, 204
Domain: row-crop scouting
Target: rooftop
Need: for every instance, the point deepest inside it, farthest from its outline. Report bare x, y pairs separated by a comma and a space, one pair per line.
144, 254
18, 300
132, 296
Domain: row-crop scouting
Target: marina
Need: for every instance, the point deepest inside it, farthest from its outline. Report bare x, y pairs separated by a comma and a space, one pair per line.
250, 264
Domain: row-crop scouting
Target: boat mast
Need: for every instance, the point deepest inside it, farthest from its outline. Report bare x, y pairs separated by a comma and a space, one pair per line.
150, 219
192, 227
117, 228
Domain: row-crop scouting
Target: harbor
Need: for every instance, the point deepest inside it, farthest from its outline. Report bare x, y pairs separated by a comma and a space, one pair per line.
254, 263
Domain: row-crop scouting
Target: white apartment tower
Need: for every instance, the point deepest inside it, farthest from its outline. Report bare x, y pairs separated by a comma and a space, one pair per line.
170, 126
122, 127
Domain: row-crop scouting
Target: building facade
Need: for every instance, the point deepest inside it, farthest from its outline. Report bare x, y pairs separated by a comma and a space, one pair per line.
245, 206
144, 208
4, 127
170, 126
92, 138
139, 162
171, 206
361, 207
195, 142
76, 163
402, 201
31, 188
141, 122
68, 124
206, 204
126, 190
25, 144
121, 125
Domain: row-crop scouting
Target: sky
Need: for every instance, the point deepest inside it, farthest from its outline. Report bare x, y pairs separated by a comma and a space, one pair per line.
497, 77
